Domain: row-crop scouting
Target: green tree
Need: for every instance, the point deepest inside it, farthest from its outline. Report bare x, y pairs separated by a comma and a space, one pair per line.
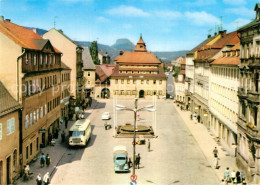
94, 52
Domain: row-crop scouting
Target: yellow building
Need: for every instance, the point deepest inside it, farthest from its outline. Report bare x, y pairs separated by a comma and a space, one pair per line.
9, 137
30, 70
138, 73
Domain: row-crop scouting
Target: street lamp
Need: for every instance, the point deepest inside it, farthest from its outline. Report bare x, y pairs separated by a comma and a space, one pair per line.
135, 110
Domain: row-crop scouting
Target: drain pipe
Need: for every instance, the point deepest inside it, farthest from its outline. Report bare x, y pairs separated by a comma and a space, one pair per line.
17, 75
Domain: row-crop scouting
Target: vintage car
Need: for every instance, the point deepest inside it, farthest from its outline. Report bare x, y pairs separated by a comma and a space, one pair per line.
105, 116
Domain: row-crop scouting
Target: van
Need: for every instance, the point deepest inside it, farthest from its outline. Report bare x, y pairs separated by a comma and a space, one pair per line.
80, 133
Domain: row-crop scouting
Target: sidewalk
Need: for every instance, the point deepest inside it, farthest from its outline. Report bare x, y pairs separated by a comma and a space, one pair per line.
56, 153
207, 144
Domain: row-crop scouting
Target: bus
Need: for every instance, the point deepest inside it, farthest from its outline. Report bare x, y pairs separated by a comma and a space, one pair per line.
80, 133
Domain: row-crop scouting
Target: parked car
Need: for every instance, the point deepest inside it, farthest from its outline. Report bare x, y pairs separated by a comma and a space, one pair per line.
120, 159
105, 116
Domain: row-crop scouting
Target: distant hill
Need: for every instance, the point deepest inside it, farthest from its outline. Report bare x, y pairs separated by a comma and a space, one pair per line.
123, 44
169, 55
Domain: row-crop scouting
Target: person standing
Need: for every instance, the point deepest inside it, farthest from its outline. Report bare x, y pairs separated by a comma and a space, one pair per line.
148, 145
227, 174
238, 177
137, 161
66, 122
39, 179
48, 160
63, 136
130, 162
46, 179
215, 162
42, 160
215, 152
233, 176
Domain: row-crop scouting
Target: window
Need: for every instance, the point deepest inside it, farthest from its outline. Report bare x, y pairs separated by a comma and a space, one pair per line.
26, 121
37, 114
45, 109
122, 81
154, 82
30, 87
88, 73
1, 131
26, 58
31, 118
160, 82
128, 81
26, 89
27, 150
160, 92
148, 92
54, 59
34, 59
128, 92
34, 117
41, 62
88, 82
10, 126
46, 59
122, 92
37, 144
133, 92
41, 112
31, 149
134, 81
147, 81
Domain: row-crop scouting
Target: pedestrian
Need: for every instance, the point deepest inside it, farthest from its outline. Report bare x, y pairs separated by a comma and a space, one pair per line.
39, 179
199, 118
25, 173
48, 160
227, 174
242, 176
137, 161
191, 116
222, 182
49, 138
238, 178
63, 136
148, 145
42, 160
130, 162
233, 176
244, 181
215, 162
66, 122
46, 179
215, 152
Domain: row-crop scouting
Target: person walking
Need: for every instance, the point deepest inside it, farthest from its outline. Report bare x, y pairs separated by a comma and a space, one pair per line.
215, 162
63, 136
137, 160
130, 162
46, 179
227, 174
148, 145
42, 160
39, 179
215, 152
222, 182
66, 122
238, 178
233, 176
48, 160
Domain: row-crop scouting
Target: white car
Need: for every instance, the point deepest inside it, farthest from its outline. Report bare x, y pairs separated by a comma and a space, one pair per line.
105, 115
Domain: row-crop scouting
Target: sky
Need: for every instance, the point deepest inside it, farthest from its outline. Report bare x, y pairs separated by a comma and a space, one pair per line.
165, 25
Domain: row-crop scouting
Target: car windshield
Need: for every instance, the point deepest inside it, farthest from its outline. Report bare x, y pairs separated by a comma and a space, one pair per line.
120, 158
77, 133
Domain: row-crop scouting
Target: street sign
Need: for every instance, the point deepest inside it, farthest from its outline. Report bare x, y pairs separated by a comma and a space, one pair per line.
133, 183
133, 177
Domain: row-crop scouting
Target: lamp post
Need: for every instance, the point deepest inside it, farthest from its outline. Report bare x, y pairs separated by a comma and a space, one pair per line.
135, 110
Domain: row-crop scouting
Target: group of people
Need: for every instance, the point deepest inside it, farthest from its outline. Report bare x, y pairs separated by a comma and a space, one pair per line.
45, 180
137, 161
235, 177
45, 159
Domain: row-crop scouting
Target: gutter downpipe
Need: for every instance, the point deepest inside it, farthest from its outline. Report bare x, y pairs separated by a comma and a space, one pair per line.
23, 52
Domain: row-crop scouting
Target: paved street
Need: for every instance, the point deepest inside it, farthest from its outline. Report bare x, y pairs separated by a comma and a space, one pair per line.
176, 157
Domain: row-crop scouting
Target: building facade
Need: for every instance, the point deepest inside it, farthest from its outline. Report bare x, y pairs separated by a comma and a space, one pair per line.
10, 114
89, 73
103, 57
180, 84
72, 57
248, 123
34, 83
138, 73
223, 100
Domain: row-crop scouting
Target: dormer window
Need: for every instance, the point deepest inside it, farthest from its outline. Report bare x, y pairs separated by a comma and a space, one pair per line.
46, 59
34, 59
41, 59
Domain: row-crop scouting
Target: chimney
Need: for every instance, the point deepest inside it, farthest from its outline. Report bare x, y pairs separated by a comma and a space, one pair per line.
8, 20
60, 31
121, 52
223, 33
34, 30
209, 35
1, 18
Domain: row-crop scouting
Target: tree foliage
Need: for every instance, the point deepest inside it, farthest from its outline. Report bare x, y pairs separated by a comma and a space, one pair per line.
94, 52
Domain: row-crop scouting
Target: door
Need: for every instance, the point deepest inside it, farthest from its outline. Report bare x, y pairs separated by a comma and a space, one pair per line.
8, 170
141, 93
43, 140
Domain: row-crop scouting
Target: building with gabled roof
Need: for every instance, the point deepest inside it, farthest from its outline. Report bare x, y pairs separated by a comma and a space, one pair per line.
30, 71
138, 73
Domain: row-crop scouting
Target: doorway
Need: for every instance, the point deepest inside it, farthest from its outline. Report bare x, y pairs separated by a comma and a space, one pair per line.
8, 169
141, 93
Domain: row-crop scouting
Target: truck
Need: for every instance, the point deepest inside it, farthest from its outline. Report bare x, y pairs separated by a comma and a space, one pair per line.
80, 133
120, 159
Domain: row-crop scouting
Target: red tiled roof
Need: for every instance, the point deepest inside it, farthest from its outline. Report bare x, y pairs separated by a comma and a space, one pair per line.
137, 57
138, 69
22, 36
226, 61
104, 71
